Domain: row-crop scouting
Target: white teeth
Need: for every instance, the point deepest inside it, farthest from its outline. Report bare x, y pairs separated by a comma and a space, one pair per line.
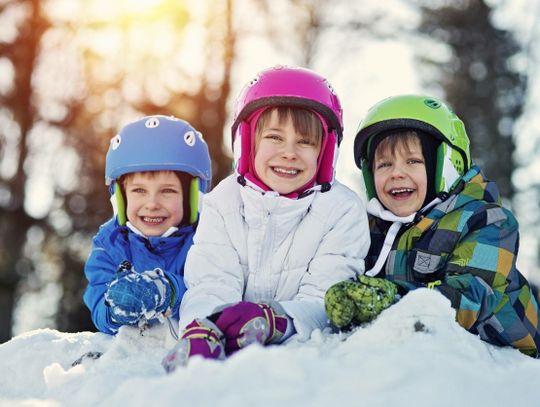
398, 191
285, 171
152, 220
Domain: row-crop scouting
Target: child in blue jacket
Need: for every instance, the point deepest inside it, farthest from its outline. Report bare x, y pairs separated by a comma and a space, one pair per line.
155, 169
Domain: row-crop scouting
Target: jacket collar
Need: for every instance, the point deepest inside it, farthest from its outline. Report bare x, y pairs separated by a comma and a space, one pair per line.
257, 204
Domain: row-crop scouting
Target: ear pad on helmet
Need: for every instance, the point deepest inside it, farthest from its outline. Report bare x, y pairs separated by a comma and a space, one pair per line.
450, 166
439, 181
193, 200
120, 204
244, 133
369, 182
326, 168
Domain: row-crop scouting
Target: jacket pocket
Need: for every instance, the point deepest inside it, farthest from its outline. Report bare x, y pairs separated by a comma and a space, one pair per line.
426, 267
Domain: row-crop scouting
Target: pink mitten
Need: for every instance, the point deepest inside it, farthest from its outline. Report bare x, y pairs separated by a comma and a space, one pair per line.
247, 322
201, 337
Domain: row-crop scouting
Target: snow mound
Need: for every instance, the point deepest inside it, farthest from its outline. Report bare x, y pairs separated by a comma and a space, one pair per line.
414, 354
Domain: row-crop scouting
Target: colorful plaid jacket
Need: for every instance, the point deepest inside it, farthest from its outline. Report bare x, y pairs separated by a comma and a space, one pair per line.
466, 247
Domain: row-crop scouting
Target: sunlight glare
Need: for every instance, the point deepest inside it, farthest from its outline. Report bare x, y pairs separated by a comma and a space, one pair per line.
126, 7
138, 5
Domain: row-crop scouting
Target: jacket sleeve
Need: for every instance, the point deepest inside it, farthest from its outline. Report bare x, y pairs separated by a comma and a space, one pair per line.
340, 256
213, 274
489, 294
99, 269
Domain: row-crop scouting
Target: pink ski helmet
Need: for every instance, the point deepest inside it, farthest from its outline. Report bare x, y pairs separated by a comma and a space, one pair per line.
291, 87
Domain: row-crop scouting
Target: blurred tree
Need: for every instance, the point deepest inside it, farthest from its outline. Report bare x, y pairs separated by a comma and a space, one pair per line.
77, 76
204, 103
310, 31
479, 80
18, 115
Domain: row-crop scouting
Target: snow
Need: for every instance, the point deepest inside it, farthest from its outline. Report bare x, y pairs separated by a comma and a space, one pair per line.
414, 354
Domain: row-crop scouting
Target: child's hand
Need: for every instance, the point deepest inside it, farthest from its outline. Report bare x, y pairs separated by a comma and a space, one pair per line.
247, 322
200, 338
134, 295
352, 302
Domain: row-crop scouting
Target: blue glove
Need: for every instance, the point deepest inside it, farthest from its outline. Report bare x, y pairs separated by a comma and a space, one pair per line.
132, 296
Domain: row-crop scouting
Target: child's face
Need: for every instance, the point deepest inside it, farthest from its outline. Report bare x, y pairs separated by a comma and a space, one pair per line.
400, 178
284, 159
154, 201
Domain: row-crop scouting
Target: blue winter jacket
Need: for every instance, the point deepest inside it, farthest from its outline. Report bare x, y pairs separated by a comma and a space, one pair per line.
112, 245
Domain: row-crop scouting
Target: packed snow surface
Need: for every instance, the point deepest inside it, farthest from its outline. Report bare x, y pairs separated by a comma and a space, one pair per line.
413, 355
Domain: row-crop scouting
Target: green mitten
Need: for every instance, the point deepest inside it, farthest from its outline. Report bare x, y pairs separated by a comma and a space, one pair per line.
351, 303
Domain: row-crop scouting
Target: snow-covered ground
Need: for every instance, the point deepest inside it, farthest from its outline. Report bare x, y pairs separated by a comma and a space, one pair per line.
414, 354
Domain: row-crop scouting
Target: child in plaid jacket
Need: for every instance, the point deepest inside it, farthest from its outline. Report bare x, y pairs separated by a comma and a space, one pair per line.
435, 222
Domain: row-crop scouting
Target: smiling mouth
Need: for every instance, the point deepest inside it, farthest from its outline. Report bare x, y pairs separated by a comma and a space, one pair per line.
286, 171
153, 220
402, 193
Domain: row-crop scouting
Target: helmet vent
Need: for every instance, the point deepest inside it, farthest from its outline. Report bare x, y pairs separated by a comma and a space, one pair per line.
189, 138
432, 103
115, 142
152, 122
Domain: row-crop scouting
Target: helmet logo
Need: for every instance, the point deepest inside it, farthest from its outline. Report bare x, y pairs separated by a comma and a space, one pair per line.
115, 141
432, 103
152, 122
189, 138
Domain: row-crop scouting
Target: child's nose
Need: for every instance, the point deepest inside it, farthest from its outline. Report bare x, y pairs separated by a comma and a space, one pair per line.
289, 150
152, 202
398, 171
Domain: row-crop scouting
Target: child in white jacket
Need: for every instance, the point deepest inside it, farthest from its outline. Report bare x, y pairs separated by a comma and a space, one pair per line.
277, 234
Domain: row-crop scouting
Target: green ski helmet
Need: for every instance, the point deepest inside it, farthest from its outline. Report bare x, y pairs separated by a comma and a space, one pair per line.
423, 113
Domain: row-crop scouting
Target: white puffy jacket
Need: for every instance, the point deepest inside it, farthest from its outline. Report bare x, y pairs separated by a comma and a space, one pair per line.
261, 247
